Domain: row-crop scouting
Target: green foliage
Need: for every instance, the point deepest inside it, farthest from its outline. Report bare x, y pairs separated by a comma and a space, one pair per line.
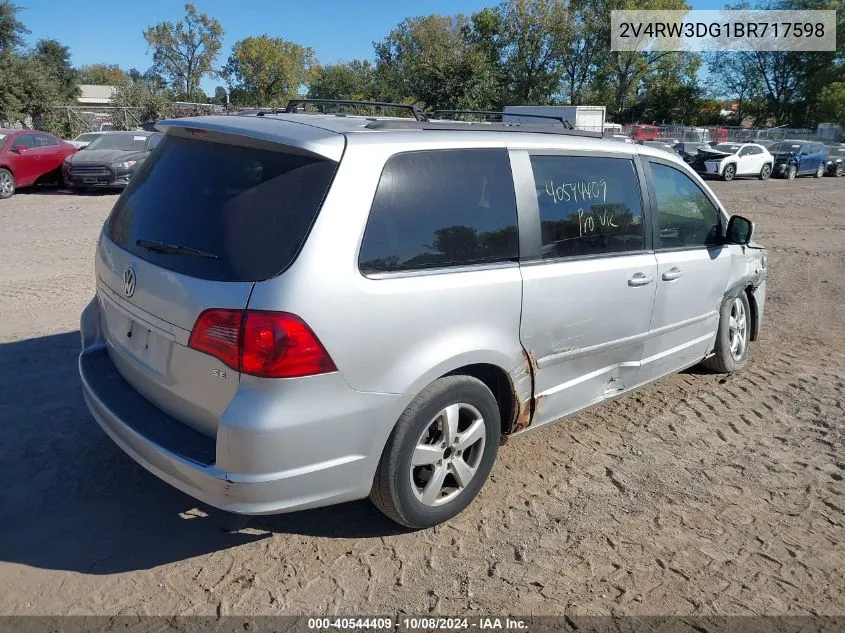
146, 104
28, 88
12, 30
429, 60
101, 74
353, 80
56, 58
267, 71
831, 104
184, 52
62, 123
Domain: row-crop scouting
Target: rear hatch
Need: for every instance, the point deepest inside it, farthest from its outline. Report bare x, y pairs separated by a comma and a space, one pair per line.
213, 211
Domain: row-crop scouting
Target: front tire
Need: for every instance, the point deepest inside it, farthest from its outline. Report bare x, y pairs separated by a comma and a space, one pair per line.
819, 171
7, 184
439, 453
840, 170
791, 172
732, 337
765, 171
729, 173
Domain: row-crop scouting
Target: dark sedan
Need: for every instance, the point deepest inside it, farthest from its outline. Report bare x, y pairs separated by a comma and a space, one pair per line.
110, 161
836, 161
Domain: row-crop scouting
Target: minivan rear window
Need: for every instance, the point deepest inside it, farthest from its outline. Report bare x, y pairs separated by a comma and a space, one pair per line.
243, 212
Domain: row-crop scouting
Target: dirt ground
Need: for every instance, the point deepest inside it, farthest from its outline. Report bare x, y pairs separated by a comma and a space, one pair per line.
703, 494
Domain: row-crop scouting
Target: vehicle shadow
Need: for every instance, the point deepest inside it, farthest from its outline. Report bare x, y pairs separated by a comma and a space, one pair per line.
72, 500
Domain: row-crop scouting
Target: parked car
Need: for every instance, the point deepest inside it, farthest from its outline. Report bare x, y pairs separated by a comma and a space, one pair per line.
294, 310
110, 160
836, 161
660, 144
29, 157
83, 140
641, 132
799, 158
688, 151
729, 160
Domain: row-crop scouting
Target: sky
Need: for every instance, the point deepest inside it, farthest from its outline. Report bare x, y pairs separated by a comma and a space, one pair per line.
108, 32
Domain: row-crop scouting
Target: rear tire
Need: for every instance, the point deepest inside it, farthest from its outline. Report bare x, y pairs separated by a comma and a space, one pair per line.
439, 453
765, 172
7, 184
732, 337
840, 170
729, 173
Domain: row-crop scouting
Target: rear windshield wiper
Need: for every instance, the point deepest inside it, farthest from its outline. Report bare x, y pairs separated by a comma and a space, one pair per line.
175, 249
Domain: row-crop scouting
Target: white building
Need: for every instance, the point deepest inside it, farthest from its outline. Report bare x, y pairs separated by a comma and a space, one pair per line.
93, 95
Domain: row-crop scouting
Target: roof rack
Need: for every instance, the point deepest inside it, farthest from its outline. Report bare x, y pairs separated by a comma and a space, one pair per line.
419, 115
394, 124
559, 119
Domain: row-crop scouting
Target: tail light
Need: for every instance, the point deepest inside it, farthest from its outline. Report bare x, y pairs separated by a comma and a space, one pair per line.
265, 344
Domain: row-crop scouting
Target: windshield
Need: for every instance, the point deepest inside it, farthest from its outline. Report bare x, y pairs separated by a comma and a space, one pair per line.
86, 138
785, 147
129, 142
728, 148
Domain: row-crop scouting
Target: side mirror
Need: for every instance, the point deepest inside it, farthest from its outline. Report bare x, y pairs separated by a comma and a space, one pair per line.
739, 230
19, 149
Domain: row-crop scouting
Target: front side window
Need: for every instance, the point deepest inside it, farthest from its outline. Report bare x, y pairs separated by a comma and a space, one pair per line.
441, 208
25, 140
685, 216
588, 205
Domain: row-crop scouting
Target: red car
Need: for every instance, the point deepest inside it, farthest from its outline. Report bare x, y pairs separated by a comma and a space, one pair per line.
28, 157
643, 132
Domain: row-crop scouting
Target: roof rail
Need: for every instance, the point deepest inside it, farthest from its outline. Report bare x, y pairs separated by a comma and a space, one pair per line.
419, 115
565, 122
453, 126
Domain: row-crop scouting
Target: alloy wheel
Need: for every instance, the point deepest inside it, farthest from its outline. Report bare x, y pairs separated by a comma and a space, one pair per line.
738, 329
447, 454
7, 184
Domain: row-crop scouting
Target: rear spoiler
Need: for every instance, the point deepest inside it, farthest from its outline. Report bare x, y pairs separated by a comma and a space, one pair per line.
304, 138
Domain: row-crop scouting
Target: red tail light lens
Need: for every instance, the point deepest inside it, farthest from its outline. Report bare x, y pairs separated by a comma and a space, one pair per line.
266, 344
217, 332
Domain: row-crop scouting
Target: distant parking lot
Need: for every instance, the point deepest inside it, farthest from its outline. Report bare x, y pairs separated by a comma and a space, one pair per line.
703, 494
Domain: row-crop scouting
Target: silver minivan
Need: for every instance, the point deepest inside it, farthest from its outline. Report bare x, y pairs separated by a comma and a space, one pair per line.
300, 309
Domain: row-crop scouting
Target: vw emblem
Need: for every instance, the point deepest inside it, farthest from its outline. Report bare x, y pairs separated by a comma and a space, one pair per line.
129, 281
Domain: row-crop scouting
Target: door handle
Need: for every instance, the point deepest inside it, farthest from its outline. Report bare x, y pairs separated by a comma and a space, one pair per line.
639, 279
672, 274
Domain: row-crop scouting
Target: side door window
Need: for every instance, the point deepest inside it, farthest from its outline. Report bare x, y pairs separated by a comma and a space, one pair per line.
686, 218
45, 140
589, 206
27, 140
441, 208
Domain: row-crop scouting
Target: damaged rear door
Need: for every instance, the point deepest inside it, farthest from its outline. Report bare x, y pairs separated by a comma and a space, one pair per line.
588, 290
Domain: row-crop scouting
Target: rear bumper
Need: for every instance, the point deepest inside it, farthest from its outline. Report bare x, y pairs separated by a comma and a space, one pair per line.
288, 462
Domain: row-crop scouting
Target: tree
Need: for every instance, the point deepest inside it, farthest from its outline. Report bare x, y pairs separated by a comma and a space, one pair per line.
143, 103
429, 59
527, 40
56, 59
220, 96
267, 70
184, 52
831, 103
12, 30
29, 88
102, 74
353, 80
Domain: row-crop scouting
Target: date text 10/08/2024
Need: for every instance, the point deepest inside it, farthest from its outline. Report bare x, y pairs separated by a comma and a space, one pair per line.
406, 623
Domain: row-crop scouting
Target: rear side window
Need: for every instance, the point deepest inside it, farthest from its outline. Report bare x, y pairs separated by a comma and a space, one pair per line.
588, 205
248, 210
441, 208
